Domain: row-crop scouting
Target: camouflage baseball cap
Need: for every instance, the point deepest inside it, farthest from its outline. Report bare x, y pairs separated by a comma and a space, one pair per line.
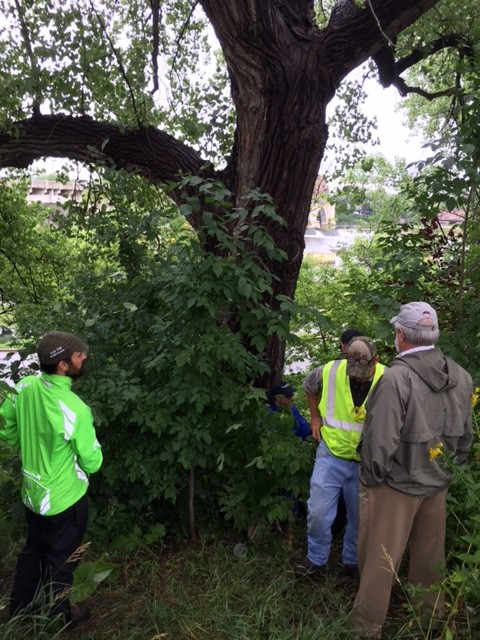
360, 355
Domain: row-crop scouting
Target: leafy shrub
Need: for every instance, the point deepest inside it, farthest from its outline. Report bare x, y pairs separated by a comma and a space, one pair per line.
177, 335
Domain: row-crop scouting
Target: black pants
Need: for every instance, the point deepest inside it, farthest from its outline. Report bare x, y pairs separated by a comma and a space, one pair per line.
43, 565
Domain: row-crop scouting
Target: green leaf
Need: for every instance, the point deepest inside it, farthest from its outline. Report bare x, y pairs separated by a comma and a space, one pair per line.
87, 577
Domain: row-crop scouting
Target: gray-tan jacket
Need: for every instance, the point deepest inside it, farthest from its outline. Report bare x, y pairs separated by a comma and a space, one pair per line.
420, 407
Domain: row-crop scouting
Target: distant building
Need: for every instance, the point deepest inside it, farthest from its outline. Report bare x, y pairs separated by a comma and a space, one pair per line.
322, 212
456, 216
54, 194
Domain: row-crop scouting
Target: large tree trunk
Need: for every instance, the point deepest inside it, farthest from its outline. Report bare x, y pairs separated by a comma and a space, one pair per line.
283, 72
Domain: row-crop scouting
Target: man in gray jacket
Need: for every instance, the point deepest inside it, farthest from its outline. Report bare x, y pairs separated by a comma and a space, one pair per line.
419, 410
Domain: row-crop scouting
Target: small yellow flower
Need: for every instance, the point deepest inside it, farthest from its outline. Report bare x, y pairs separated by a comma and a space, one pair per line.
474, 399
435, 451
359, 414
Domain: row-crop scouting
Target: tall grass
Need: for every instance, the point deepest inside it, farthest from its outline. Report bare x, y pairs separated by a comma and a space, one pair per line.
210, 592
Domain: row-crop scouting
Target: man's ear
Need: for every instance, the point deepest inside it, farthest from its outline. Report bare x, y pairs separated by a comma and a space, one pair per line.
62, 366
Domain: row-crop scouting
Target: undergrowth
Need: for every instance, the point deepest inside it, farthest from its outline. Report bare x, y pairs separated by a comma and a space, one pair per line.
230, 589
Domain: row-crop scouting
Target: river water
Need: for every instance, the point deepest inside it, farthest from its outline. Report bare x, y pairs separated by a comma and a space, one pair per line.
328, 242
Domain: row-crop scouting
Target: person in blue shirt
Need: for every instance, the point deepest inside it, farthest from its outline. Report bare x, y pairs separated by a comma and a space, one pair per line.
280, 398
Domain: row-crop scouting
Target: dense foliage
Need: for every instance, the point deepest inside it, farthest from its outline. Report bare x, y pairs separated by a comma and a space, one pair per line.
176, 336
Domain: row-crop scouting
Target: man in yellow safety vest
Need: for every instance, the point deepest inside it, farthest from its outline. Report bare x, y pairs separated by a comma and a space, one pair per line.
336, 395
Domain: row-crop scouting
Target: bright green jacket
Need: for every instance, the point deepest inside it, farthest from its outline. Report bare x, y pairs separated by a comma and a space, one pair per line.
342, 420
53, 428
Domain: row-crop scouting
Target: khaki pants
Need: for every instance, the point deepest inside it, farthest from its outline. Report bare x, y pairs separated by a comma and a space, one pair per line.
390, 523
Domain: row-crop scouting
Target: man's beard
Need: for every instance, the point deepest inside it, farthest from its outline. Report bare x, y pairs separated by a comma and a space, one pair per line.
74, 375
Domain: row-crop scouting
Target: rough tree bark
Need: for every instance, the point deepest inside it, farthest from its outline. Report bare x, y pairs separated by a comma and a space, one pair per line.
283, 72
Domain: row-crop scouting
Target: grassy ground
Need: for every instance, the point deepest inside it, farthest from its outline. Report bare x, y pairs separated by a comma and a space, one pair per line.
214, 590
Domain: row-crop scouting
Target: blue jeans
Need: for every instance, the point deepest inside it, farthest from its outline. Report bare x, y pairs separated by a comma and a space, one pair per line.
330, 476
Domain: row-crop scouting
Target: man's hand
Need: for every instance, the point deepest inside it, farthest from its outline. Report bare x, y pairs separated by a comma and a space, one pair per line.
315, 419
316, 424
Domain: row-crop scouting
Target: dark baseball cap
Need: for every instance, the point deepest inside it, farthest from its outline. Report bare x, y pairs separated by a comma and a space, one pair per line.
56, 346
282, 388
348, 334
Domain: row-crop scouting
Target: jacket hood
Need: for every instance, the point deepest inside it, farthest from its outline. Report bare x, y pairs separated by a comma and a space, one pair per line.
436, 370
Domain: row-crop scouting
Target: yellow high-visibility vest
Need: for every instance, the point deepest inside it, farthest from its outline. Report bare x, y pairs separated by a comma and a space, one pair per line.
342, 420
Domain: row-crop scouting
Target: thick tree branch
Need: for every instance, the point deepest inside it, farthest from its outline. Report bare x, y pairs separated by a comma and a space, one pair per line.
453, 41
354, 34
147, 151
390, 70
405, 89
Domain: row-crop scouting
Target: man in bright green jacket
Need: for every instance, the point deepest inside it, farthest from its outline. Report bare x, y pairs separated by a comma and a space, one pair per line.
53, 430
